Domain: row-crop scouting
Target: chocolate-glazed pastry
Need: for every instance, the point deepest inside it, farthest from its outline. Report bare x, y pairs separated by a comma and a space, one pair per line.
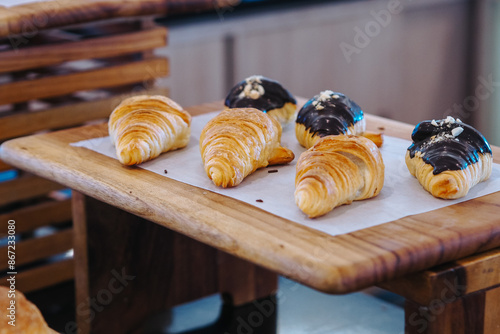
263, 94
448, 157
328, 113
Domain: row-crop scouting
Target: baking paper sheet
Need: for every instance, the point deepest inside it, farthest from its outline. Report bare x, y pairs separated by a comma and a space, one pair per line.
401, 195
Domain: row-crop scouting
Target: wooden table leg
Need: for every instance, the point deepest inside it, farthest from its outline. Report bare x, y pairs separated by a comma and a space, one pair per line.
462, 297
128, 268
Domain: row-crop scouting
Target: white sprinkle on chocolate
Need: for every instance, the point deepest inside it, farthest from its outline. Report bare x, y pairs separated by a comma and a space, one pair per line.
325, 95
434, 122
253, 88
254, 94
449, 120
457, 131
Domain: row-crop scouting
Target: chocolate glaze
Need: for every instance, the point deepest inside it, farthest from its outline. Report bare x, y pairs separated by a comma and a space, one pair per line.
338, 113
274, 97
442, 150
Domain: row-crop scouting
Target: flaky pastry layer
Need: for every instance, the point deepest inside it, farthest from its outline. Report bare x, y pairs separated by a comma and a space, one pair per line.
143, 127
307, 139
283, 115
450, 184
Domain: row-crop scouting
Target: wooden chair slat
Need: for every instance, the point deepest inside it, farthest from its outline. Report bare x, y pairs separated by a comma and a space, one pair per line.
99, 47
134, 72
31, 217
25, 188
70, 115
34, 249
43, 276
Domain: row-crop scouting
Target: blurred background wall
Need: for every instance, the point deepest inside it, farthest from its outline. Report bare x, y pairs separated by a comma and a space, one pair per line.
402, 59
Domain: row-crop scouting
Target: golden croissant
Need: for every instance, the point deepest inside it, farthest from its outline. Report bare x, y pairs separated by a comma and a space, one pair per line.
143, 127
237, 142
448, 157
335, 171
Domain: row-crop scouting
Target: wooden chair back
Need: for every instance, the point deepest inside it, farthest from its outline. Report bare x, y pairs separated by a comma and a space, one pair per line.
54, 79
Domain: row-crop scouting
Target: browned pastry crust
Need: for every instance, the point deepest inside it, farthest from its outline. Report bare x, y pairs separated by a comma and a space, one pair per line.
143, 127
450, 184
335, 171
28, 319
283, 115
307, 139
235, 143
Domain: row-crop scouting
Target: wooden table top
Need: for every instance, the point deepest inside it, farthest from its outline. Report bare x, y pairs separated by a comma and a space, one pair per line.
333, 264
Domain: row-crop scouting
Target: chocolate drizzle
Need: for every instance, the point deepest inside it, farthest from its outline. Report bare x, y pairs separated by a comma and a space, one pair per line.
260, 93
447, 144
329, 113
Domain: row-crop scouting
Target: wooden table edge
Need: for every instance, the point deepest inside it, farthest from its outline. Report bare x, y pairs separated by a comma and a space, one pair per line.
332, 264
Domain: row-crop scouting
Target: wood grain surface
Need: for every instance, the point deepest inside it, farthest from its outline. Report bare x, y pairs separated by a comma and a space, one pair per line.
29, 18
462, 296
466, 276
163, 269
333, 264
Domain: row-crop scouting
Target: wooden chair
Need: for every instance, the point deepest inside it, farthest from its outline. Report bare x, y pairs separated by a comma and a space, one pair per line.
53, 79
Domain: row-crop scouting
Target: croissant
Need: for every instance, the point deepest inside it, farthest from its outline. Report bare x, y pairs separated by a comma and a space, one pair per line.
335, 171
448, 157
264, 94
235, 143
331, 113
143, 127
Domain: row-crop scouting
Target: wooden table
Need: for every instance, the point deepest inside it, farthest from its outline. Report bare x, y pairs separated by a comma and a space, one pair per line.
110, 242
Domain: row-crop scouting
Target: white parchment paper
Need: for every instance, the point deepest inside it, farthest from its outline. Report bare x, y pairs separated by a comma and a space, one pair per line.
401, 195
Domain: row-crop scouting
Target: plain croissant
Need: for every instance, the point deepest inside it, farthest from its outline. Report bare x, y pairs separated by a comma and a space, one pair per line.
143, 127
335, 171
237, 142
